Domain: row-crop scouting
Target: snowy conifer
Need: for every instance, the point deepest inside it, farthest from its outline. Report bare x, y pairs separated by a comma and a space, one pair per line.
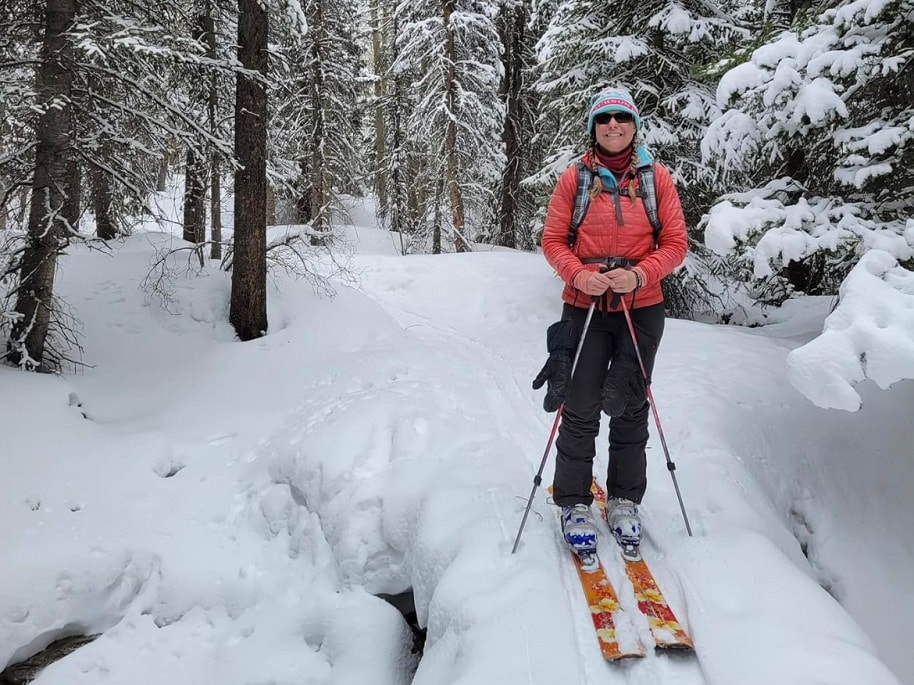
516, 206
451, 51
650, 48
818, 138
315, 133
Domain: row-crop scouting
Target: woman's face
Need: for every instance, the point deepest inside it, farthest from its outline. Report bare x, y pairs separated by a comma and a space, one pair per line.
613, 135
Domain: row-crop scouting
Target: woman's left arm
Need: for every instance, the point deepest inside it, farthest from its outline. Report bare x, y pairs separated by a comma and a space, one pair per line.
673, 243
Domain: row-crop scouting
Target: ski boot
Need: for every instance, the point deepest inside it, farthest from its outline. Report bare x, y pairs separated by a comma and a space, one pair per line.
580, 533
625, 524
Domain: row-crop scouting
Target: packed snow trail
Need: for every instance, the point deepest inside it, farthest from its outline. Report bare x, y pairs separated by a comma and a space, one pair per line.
255, 494
731, 628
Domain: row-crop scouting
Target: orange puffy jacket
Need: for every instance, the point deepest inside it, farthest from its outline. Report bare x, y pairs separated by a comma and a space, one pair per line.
602, 234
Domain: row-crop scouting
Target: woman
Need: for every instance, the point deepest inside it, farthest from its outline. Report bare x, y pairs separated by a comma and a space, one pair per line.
613, 256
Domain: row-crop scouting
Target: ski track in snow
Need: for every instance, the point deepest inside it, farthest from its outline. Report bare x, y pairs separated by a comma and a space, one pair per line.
653, 669
508, 403
402, 463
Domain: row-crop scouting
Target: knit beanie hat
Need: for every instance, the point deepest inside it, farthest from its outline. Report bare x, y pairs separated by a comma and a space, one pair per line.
612, 100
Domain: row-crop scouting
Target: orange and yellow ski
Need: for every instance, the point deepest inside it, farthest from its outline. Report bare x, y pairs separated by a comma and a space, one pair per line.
603, 604
665, 628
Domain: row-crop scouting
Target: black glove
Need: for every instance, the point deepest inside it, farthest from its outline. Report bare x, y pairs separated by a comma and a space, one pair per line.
622, 384
560, 342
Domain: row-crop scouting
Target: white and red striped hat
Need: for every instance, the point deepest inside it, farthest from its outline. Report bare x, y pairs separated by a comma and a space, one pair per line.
613, 100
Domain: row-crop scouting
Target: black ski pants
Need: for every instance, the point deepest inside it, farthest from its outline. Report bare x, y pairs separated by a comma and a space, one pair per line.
607, 339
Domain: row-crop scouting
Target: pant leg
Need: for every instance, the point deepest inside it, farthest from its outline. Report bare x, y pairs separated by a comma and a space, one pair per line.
576, 442
628, 434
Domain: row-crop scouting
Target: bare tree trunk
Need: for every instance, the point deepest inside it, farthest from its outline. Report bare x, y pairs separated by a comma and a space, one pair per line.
436, 221
100, 181
195, 176
215, 194
450, 135
513, 40
194, 199
248, 309
318, 199
380, 132
72, 208
50, 188
5, 207
271, 206
162, 176
25, 201
215, 209
303, 200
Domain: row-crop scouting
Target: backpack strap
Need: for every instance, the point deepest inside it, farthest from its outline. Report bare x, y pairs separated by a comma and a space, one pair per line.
581, 201
647, 190
648, 187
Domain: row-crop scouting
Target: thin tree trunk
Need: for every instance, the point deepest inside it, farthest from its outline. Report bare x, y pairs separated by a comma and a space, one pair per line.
194, 199
215, 194
318, 199
50, 188
101, 203
215, 209
450, 136
4, 208
162, 175
25, 201
271, 206
513, 41
436, 221
380, 132
72, 209
303, 200
248, 308
195, 177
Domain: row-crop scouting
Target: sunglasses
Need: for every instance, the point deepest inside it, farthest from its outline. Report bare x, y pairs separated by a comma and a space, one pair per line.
621, 117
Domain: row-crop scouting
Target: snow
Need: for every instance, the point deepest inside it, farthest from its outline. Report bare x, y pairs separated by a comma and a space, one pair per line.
869, 335
816, 101
224, 512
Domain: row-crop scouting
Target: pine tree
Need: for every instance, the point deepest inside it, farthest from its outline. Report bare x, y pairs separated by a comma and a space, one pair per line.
818, 138
317, 139
450, 49
649, 48
48, 230
121, 119
401, 165
517, 203
248, 310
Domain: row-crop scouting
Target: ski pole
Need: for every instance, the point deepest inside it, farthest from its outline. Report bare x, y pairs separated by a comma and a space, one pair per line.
538, 478
671, 467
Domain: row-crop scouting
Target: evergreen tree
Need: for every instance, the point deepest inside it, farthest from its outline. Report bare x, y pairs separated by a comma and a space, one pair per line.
451, 52
516, 206
248, 310
48, 229
316, 132
818, 138
651, 49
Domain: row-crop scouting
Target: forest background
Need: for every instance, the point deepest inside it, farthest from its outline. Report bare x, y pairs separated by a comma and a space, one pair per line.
788, 126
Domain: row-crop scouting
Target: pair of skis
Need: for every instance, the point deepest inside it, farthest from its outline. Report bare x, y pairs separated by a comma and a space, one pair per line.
604, 604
